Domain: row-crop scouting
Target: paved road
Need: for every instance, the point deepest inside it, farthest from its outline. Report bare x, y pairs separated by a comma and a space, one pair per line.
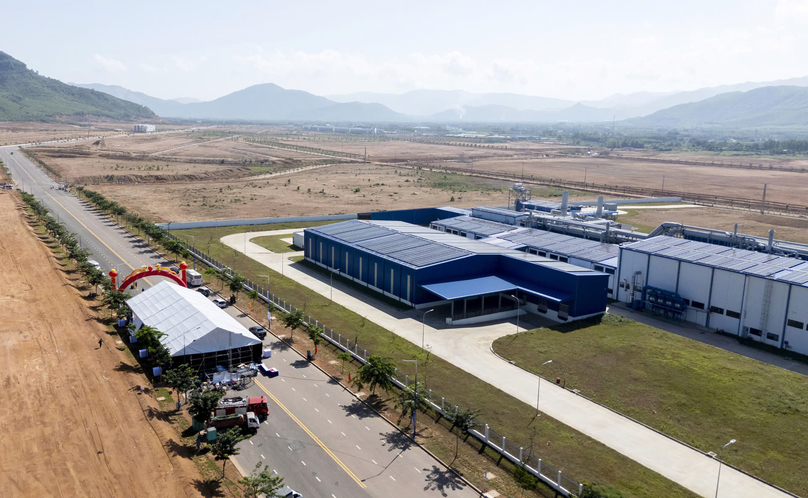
469, 348
326, 443
348, 451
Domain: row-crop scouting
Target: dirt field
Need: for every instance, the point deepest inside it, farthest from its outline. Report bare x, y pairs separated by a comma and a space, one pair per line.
338, 189
782, 186
18, 133
786, 228
73, 424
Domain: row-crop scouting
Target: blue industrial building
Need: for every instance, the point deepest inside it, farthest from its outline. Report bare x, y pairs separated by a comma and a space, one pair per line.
422, 267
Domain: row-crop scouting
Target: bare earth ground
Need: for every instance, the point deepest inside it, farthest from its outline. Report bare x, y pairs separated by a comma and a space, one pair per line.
707, 157
782, 186
20, 132
73, 424
786, 228
380, 188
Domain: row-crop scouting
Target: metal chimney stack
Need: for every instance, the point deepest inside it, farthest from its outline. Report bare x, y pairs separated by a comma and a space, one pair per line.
771, 242
564, 199
599, 212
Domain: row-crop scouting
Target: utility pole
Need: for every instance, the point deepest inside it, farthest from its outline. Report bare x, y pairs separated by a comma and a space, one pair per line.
763, 201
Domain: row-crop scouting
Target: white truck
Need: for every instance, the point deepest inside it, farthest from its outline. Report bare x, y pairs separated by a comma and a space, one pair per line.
193, 278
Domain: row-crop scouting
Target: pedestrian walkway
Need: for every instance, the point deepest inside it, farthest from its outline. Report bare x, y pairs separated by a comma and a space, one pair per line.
469, 348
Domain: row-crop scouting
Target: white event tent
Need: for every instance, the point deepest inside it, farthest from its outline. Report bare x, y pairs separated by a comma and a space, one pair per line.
197, 331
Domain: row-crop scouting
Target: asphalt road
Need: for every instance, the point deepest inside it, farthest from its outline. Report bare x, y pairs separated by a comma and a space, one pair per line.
318, 436
315, 423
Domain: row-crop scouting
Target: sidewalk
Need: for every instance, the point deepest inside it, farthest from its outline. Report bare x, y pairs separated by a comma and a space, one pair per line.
468, 348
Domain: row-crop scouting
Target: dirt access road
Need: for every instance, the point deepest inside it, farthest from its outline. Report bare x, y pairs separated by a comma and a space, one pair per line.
72, 421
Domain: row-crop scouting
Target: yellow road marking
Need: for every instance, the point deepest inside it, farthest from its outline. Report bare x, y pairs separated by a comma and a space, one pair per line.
74, 217
311, 434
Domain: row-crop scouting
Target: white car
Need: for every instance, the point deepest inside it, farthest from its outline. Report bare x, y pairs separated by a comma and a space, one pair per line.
204, 291
220, 302
95, 264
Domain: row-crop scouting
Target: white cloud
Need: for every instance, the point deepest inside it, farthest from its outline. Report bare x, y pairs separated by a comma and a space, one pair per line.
792, 10
185, 64
110, 65
148, 68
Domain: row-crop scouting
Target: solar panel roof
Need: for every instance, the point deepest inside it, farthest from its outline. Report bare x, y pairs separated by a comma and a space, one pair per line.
726, 258
475, 225
566, 245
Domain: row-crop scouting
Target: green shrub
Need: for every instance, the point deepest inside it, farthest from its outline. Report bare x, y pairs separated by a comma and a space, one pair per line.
600, 491
525, 479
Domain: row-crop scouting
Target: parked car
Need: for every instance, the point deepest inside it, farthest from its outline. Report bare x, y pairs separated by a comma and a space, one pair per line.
95, 264
258, 332
220, 302
288, 492
204, 291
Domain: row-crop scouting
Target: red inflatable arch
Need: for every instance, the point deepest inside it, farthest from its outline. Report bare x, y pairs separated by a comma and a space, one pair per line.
148, 271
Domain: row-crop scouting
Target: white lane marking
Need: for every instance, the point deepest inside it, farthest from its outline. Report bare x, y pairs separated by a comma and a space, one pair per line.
293, 389
318, 479
315, 385
332, 495
290, 448
304, 463
316, 410
275, 471
416, 469
328, 395
304, 376
358, 448
282, 380
330, 422
284, 359
277, 434
366, 427
304, 399
264, 458
354, 416
266, 422
343, 434
393, 478
251, 442
374, 462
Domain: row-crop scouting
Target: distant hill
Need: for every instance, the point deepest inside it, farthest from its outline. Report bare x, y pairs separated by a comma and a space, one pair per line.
163, 108
767, 106
27, 96
578, 113
265, 102
186, 100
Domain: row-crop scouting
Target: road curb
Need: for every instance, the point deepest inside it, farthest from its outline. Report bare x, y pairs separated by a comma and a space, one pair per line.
389, 422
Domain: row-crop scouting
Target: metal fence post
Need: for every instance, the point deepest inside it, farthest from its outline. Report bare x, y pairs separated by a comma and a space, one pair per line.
356, 349
559, 478
486, 432
365, 355
339, 338
443, 404
538, 469
503, 443
580, 489
406, 380
521, 452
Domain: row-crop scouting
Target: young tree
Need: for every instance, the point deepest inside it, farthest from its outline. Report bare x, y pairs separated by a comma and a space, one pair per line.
252, 296
464, 421
344, 356
203, 403
215, 274
293, 321
225, 445
375, 373
405, 400
160, 355
261, 482
236, 284
314, 335
182, 379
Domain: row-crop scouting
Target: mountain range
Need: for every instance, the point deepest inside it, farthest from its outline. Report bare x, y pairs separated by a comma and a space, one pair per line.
27, 96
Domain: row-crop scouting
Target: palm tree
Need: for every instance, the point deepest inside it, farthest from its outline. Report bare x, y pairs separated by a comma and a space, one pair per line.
375, 373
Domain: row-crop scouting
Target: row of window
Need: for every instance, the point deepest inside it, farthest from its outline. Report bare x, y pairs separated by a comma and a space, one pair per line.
604, 269
796, 324
759, 333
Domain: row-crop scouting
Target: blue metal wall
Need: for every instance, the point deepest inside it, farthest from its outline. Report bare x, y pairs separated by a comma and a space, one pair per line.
423, 216
588, 290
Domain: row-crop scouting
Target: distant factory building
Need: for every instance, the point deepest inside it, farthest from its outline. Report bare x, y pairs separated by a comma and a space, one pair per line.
144, 128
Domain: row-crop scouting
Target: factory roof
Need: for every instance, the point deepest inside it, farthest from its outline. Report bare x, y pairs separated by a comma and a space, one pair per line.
559, 243
770, 266
419, 246
460, 289
499, 211
475, 225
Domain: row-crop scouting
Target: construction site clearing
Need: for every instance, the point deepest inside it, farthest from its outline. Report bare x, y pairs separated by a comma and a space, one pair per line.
77, 423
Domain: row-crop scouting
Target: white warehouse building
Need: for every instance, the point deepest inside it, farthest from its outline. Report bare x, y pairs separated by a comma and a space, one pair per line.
144, 128
746, 293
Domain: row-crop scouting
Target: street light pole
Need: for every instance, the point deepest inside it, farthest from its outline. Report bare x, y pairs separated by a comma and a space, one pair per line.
518, 311
415, 396
538, 394
423, 326
718, 457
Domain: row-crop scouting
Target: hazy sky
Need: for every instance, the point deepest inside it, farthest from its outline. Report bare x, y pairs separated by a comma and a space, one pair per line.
576, 50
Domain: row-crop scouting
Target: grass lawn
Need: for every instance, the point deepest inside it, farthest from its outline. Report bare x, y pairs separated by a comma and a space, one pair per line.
579, 456
205, 238
275, 244
627, 218
697, 393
